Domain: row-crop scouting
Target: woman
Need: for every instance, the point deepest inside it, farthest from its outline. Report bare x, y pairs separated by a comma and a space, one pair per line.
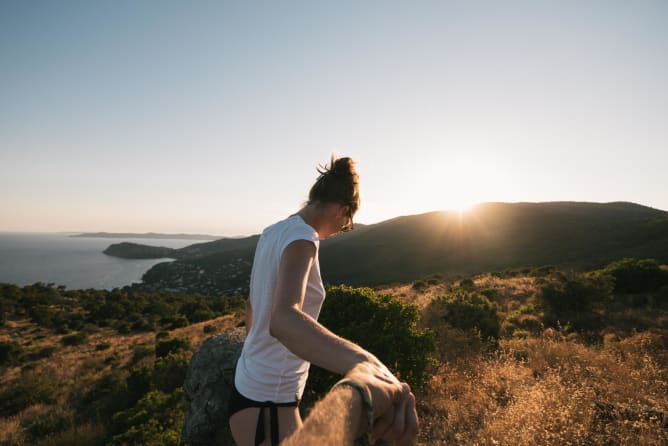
286, 294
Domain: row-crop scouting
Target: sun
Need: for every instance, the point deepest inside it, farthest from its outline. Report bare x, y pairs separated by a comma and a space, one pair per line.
467, 183
463, 206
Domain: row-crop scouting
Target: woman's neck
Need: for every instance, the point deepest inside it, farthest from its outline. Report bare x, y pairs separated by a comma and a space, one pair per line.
316, 217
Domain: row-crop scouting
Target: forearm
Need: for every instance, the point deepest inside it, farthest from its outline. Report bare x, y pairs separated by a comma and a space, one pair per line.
249, 316
309, 340
335, 420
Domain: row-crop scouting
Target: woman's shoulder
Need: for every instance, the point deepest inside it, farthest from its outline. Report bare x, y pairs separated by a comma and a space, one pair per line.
289, 229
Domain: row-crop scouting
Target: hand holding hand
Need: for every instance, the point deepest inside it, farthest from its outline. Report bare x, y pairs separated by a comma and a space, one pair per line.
395, 417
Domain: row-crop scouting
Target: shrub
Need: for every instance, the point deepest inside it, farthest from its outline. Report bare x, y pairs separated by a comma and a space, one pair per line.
138, 383
383, 325
637, 276
74, 339
569, 299
419, 285
163, 348
155, 420
10, 352
469, 311
38, 427
142, 351
107, 396
44, 352
30, 388
103, 346
170, 371
209, 329
176, 322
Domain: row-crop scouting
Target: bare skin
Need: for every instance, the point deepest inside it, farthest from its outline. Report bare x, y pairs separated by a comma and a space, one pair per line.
307, 338
339, 418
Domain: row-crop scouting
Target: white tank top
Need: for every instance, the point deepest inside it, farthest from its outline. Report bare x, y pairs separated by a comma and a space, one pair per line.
267, 370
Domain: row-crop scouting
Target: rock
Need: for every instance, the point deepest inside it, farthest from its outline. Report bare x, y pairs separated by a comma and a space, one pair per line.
207, 389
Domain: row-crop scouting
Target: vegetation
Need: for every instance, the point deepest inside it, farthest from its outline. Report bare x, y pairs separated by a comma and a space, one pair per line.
384, 325
637, 276
468, 311
529, 356
116, 380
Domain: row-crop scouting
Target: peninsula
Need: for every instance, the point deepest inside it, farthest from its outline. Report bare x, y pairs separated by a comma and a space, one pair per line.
145, 235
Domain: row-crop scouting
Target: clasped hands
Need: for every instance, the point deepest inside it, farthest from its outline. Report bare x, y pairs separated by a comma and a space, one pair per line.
394, 415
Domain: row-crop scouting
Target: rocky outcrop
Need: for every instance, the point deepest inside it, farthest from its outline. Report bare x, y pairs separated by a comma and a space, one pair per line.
207, 389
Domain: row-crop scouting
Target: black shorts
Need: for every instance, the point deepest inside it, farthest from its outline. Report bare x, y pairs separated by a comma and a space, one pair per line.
239, 402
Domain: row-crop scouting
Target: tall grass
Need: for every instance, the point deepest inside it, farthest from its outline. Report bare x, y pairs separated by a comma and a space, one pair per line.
551, 391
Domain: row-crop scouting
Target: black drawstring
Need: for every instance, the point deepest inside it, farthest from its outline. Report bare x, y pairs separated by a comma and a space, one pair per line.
273, 421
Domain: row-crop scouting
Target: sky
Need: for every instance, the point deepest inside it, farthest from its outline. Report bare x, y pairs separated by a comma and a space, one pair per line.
212, 116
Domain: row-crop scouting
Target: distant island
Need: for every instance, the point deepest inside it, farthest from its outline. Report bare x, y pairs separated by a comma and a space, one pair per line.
147, 235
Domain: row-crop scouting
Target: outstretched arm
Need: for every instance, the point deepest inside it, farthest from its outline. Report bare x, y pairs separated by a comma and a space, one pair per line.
341, 417
299, 332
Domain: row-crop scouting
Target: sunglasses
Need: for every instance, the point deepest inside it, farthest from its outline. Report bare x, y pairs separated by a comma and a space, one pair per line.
348, 226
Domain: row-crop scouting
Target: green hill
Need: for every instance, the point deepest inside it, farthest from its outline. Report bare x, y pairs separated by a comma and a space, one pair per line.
492, 236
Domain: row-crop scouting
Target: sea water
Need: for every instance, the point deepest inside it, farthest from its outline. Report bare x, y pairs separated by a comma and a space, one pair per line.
76, 262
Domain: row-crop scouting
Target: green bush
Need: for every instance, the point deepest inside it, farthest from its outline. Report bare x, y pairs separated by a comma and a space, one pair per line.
569, 299
10, 352
156, 420
468, 310
637, 276
419, 285
44, 352
30, 388
142, 351
74, 339
383, 325
170, 371
39, 427
138, 383
209, 329
107, 396
163, 348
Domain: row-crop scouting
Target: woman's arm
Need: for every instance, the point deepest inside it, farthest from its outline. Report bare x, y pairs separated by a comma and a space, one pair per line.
249, 316
299, 332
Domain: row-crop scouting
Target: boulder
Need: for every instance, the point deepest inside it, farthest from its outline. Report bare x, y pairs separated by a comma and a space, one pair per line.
207, 389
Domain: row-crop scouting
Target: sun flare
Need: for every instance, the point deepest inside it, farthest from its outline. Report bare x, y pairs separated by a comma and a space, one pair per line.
468, 183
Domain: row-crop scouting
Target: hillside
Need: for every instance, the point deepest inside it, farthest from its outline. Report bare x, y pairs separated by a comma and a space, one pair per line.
492, 236
97, 367
496, 236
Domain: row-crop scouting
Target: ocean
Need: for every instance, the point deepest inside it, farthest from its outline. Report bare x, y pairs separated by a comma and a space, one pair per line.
75, 262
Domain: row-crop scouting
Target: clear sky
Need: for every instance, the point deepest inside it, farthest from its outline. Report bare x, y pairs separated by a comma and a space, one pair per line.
211, 116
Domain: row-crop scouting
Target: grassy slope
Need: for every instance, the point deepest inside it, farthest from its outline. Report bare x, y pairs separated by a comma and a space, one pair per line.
76, 369
550, 388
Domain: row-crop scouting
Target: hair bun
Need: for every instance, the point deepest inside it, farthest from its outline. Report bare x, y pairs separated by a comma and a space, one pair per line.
342, 166
337, 183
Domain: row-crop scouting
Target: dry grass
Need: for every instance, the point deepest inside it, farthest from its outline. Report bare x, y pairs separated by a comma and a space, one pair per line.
552, 389
74, 370
547, 390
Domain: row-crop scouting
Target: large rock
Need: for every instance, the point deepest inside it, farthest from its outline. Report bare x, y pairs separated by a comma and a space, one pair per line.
207, 389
